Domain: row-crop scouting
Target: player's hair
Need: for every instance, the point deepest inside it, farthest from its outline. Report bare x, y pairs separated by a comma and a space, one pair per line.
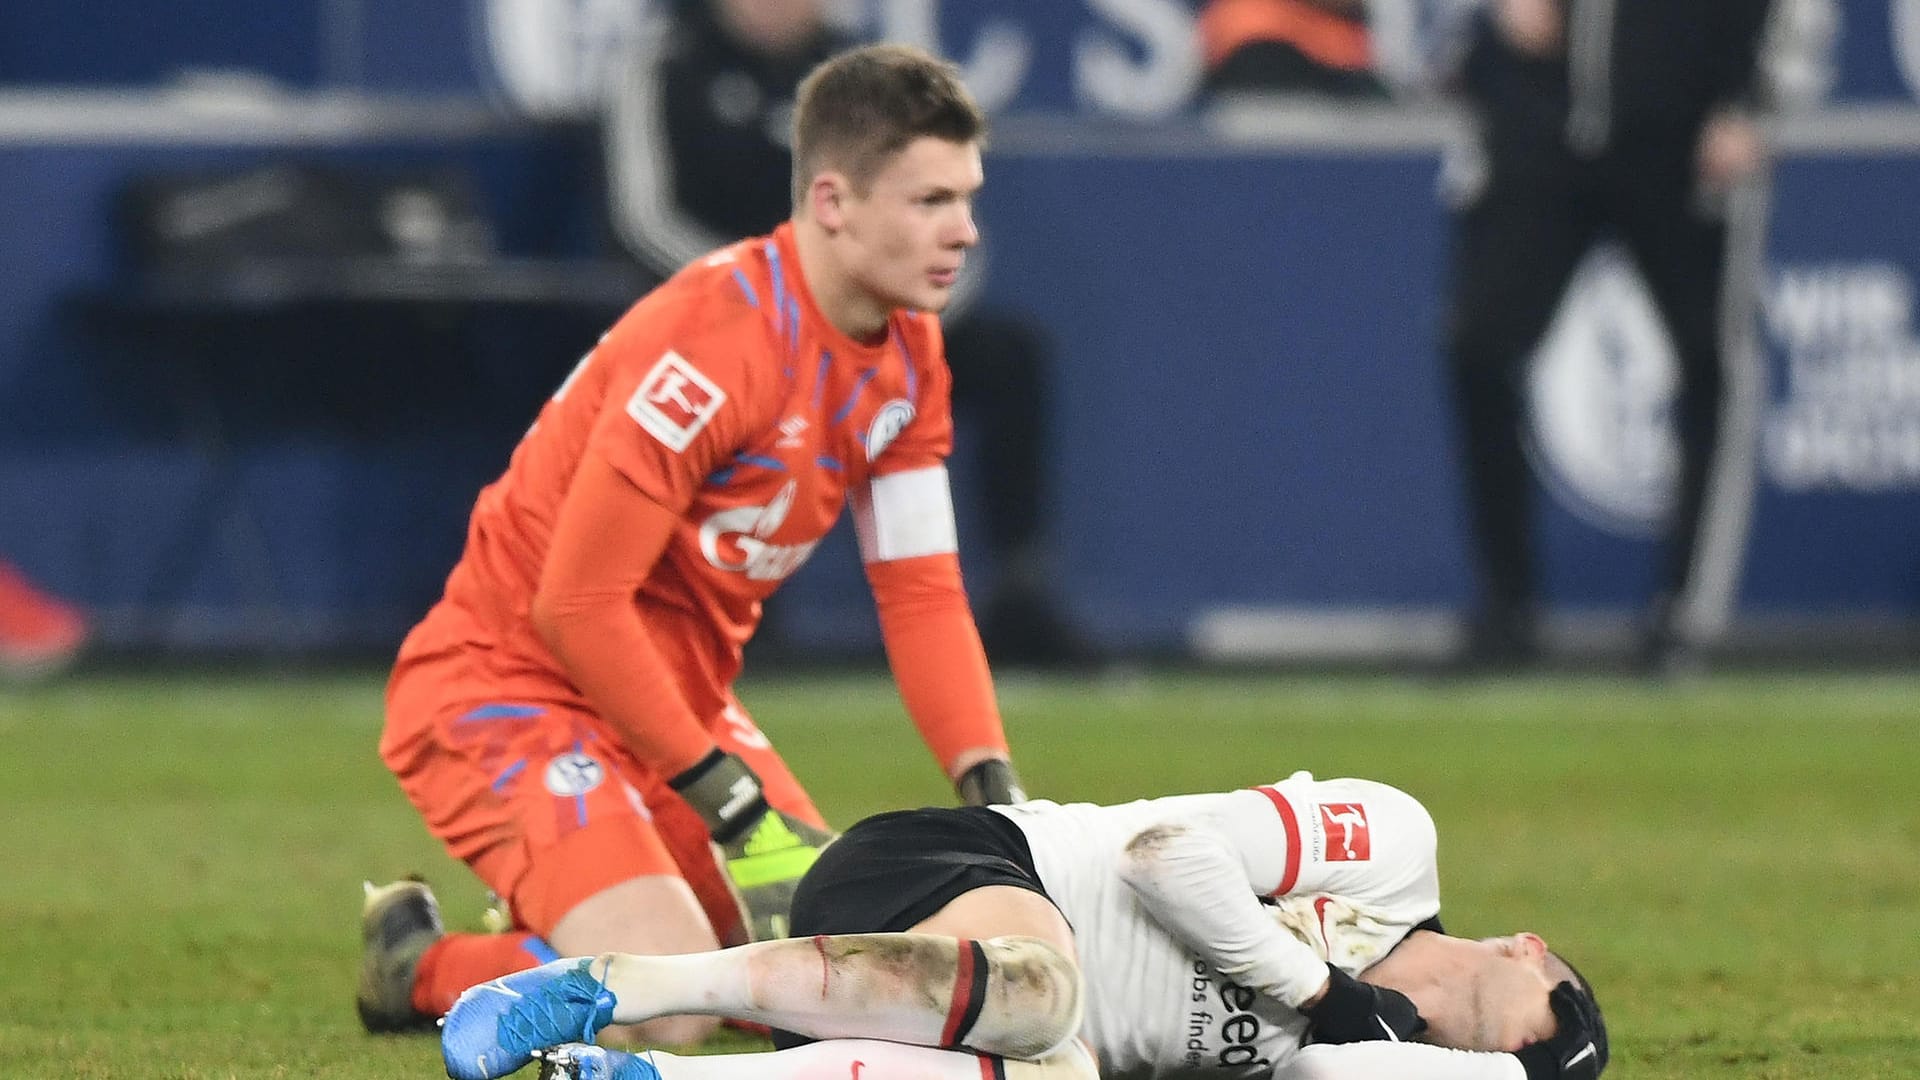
1560, 971
860, 108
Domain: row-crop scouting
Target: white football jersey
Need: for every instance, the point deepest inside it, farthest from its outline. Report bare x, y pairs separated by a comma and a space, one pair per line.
1188, 972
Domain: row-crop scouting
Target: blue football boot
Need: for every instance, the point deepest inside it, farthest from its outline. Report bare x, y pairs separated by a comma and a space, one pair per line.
494, 1028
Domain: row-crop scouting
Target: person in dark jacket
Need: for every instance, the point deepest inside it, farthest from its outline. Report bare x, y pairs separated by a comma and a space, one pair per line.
1623, 119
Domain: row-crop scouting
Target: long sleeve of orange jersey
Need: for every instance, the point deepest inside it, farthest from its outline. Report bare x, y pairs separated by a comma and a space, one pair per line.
607, 538
934, 650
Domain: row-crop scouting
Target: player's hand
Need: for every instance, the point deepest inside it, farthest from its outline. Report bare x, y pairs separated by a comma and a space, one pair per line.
990, 782
763, 852
1353, 1011
765, 867
1573, 1053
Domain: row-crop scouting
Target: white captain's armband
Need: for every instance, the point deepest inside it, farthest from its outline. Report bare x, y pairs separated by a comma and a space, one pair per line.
905, 515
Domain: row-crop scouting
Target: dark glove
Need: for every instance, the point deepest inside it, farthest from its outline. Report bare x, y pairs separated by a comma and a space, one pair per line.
989, 782
763, 851
1577, 1049
1352, 1011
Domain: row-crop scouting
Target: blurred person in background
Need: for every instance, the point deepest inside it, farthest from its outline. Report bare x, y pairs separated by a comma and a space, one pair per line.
1629, 119
698, 152
1290, 930
1315, 47
40, 634
564, 718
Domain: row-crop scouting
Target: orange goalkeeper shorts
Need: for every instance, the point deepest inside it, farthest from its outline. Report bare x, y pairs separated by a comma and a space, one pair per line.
542, 800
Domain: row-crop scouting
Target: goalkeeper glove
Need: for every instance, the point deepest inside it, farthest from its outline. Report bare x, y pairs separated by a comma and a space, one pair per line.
763, 851
1352, 1011
989, 782
1577, 1050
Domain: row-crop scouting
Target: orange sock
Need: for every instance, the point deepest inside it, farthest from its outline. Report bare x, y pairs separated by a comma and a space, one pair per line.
458, 961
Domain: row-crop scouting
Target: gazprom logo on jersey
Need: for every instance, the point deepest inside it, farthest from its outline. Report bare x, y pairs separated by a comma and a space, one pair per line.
1602, 391
737, 539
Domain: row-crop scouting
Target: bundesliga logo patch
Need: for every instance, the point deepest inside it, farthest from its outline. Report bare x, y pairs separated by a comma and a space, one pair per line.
675, 401
1345, 826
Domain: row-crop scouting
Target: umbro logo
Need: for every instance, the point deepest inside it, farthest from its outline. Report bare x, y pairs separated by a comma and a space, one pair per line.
790, 430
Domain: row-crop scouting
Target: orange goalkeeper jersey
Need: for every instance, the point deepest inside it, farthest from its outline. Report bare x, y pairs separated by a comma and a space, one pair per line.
726, 397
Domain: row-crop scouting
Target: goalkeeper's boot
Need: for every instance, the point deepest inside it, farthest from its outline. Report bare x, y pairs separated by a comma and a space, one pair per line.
494, 1028
397, 923
578, 1061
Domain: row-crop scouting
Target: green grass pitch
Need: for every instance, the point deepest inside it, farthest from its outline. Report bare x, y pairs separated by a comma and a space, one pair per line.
1734, 862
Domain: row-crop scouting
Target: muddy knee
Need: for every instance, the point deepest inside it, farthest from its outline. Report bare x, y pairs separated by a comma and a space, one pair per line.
1030, 999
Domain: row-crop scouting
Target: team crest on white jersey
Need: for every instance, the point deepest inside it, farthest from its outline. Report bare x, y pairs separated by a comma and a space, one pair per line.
675, 401
738, 539
888, 423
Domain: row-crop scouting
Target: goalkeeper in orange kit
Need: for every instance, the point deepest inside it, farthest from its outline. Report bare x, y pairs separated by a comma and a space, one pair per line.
563, 718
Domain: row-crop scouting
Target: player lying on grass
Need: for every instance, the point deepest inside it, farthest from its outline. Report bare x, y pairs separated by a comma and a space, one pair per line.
1217, 935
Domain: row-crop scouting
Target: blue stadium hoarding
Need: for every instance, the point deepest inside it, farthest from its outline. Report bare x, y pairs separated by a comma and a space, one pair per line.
1251, 420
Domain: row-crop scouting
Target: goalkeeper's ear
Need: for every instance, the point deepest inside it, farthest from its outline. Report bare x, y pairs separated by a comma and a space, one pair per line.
990, 782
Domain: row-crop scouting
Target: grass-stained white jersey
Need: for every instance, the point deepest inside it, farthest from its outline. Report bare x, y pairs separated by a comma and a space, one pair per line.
1201, 920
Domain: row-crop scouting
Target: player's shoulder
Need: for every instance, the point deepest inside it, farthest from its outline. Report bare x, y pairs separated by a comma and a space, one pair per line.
1375, 805
709, 317
921, 336
1305, 782
1375, 797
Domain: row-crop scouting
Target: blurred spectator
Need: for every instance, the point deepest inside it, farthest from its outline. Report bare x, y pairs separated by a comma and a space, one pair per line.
698, 156
1624, 118
1288, 46
39, 634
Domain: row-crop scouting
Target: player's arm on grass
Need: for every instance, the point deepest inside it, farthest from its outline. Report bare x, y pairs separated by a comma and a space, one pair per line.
907, 540
1201, 873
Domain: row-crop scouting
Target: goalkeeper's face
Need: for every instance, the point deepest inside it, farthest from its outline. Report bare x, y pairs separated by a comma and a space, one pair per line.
1508, 985
906, 235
